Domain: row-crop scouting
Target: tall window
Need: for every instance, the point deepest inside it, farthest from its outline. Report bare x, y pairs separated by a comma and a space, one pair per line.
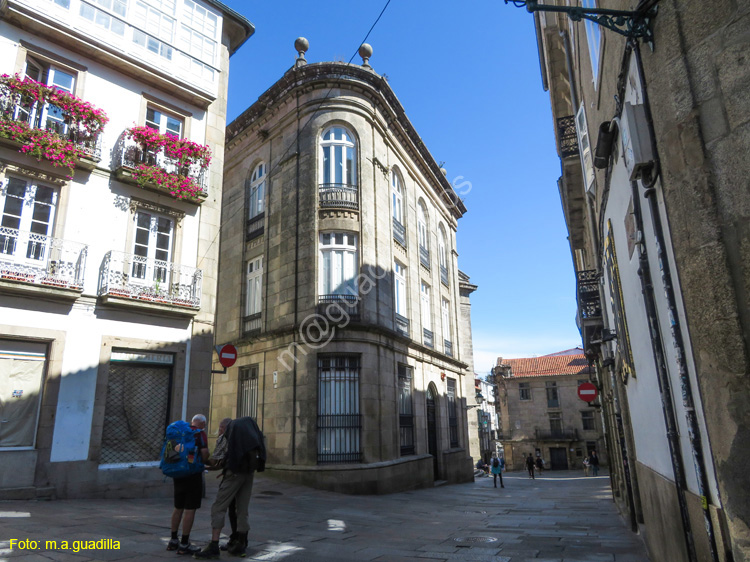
593, 37
247, 392
452, 412
397, 202
338, 264
443, 255
445, 316
424, 248
152, 248
28, 213
587, 417
399, 286
48, 116
339, 158
555, 423
253, 292
553, 400
524, 391
405, 410
584, 145
163, 122
339, 420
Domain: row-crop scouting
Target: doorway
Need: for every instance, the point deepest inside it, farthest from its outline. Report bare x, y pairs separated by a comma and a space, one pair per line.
558, 458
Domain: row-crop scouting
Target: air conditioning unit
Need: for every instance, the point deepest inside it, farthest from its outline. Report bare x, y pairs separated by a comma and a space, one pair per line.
636, 142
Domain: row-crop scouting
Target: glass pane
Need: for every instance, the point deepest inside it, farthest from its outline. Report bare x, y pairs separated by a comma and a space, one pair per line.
174, 126
143, 220
118, 27
339, 164
327, 163
141, 237
101, 19
120, 7
87, 12
153, 118
350, 167
62, 80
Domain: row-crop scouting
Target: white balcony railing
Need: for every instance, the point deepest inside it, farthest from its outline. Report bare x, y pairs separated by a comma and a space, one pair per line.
135, 277
41, 260
129, 154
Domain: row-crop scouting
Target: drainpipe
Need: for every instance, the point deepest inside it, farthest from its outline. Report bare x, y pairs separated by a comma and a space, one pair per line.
186, 382
686, 387
296, 289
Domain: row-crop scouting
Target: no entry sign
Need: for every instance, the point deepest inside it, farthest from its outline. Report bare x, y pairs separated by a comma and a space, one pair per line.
227, 355
587, 392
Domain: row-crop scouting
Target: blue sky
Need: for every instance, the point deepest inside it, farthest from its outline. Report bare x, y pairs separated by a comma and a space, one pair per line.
468, 76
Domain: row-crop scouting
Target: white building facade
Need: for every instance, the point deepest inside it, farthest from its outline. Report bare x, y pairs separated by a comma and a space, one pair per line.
107, 268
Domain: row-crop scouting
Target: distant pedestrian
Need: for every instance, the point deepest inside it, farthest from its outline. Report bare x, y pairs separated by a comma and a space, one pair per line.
484, 467
594, 462
540, 464
530, 465
496, 467
586, 465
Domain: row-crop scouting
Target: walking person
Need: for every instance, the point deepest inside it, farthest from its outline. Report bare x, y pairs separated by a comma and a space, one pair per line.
586, 465
540, 465
188, 492
530, 465
496, 467
594, 462
246, 454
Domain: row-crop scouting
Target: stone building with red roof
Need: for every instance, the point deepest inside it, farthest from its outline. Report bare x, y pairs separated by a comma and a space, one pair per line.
540, 411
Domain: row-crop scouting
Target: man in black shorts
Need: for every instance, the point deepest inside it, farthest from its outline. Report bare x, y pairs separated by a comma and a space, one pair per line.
188, 492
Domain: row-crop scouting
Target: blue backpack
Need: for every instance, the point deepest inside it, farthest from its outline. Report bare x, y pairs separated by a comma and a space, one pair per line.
180, 455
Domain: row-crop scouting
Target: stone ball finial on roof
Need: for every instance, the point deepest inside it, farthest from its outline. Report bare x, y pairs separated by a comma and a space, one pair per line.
365, 51
444, 172
301, 45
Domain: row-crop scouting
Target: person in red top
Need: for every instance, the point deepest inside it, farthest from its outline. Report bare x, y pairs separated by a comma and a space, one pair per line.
188, 492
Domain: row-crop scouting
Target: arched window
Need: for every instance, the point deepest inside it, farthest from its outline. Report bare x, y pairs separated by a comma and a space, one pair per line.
443, 255
397, 202
339, 154
422, 230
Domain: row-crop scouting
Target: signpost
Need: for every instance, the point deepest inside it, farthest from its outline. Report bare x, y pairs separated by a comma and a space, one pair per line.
587, 392
227, 356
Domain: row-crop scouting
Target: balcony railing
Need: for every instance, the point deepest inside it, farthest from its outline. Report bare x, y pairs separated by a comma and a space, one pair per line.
255, 226
144, 279
251, 324
338, 308
589, 302
448, 348
41, 260
399, 233
444, 275
129, 154
567, 137
424, 256
428, 338
18, 108
557, 434
402, 324
338, 196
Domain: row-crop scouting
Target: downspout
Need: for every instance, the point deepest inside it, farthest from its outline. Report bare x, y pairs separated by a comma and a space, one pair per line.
186, 382
686, 387
296, 290
662, 376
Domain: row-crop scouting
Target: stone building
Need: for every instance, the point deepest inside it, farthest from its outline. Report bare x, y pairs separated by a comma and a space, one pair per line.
340, 287
107, 279
653, 133
540, 411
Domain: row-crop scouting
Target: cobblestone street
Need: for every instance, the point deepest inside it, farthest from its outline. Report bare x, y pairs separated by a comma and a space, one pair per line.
561, 516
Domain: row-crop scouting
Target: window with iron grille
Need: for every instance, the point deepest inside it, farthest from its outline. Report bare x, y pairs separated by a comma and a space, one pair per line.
405, 410
339, 420
587, 417
452, 413
553, 400
524, 391
247, 392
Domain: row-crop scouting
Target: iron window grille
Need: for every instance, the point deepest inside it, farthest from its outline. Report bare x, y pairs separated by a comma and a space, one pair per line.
247, 392
452, 412
405, 410
339, 419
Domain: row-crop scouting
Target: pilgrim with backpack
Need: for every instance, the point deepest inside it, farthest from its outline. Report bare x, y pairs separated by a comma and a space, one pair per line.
496, 467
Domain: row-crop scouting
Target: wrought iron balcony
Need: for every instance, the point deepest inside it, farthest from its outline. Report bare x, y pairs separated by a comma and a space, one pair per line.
41, 260
429, 338
444, 275
128, 155
567, 136
424, 256
255, 226
338, 196
25, 110
336, 308
589, 301
251, 324
557, 434
399, 233
448, 347
143, 279
402, 324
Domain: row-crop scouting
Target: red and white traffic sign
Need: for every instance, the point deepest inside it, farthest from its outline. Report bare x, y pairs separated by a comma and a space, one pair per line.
227, 355
587, 392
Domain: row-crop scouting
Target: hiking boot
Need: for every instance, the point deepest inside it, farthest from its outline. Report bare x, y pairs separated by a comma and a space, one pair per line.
187, 549
231, 540
209, 552
239, 546
173, 544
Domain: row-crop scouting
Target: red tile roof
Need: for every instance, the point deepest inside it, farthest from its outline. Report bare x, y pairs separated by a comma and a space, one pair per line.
548, 366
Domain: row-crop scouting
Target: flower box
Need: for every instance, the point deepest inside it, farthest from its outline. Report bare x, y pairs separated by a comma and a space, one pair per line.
17, 276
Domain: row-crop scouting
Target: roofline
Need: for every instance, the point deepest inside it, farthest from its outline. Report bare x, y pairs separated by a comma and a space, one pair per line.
296, 77
242, 20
